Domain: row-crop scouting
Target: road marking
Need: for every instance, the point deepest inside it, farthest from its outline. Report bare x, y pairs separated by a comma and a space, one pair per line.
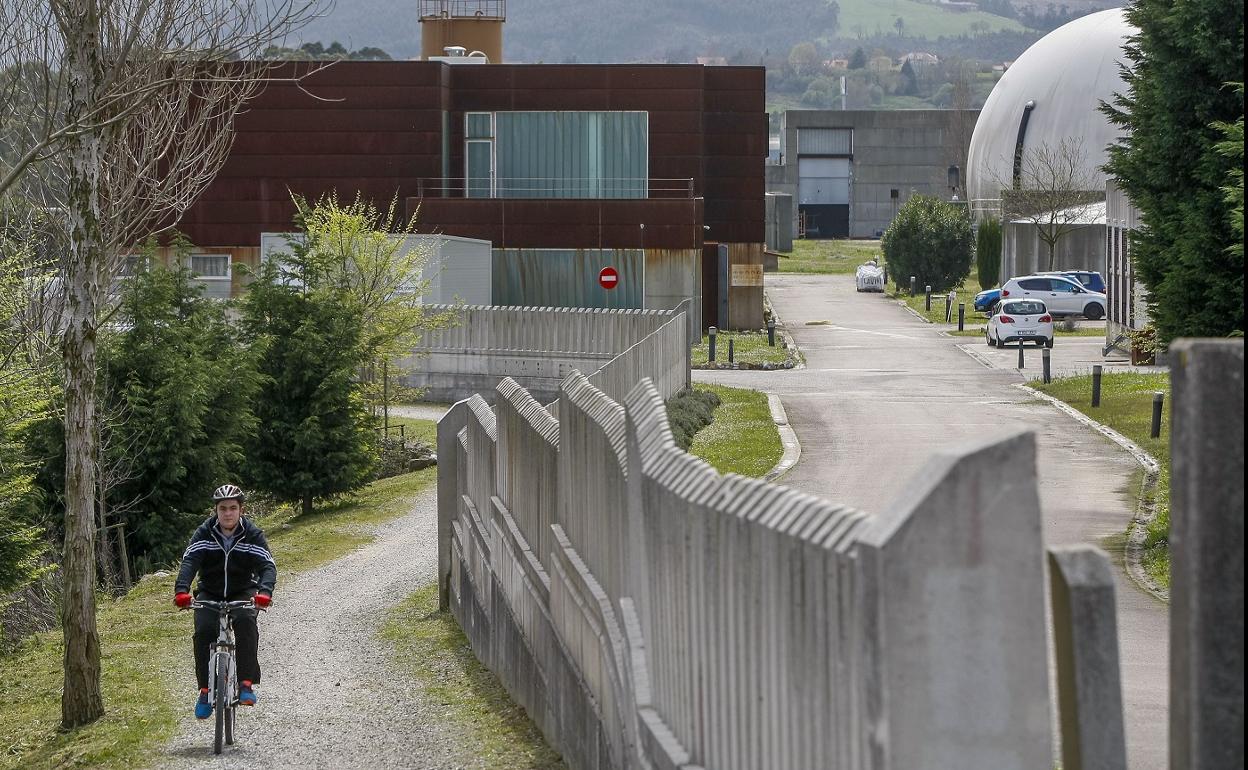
868, 331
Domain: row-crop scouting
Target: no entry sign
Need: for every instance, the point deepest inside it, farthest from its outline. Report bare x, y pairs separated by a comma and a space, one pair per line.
608, 278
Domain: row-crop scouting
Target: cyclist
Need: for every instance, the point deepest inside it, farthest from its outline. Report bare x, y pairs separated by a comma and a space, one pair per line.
232, 558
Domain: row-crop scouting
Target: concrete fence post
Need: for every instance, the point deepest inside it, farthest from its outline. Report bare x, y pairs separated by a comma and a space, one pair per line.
450, 424
1207, 553
1085, 638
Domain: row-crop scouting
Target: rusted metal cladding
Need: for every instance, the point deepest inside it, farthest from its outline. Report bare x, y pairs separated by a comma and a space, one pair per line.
566, 223
387, 129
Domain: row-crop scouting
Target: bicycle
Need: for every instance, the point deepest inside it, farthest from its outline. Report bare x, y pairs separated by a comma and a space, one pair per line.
222, 670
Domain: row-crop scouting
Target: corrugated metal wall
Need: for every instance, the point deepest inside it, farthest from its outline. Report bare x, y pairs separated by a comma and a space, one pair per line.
567, 278
825, 141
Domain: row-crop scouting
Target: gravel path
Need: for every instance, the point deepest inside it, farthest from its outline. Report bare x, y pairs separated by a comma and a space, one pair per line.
329, 698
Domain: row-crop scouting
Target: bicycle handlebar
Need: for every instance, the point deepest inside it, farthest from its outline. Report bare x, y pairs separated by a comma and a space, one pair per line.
207, 604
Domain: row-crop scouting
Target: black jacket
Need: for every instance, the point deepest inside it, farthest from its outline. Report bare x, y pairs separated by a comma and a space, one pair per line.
244, 569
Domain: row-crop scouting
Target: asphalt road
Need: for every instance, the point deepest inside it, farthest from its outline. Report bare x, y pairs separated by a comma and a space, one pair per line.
883, 390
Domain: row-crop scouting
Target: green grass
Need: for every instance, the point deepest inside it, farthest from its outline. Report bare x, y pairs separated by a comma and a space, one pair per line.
430, 646
146, 651
1127, 407
415, 427
965, 293
839, 257
864, 18
743, 438
748, 348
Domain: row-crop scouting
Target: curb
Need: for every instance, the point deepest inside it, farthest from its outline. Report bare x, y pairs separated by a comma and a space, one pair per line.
799, 360
914, 312
788, 438
1143, 512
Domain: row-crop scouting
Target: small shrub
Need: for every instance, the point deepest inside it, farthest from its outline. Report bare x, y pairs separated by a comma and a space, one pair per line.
689, 412
931, 240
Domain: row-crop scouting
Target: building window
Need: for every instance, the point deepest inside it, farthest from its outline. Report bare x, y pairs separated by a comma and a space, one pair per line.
210, 267
557, 154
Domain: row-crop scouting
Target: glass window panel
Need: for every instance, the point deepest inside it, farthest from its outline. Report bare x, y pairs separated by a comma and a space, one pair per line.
479, 169
572, 154
210, 265
479, 126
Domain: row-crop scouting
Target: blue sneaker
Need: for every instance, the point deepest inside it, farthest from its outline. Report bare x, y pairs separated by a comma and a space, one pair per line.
203, 708
246, 696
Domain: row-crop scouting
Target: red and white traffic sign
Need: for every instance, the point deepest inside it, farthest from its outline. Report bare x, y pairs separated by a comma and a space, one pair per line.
608, 278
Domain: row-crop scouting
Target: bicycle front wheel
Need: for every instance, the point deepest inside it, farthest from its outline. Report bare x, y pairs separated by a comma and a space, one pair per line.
222, 702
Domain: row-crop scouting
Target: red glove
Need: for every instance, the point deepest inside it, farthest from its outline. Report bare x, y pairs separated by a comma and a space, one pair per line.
262, 601
183, 599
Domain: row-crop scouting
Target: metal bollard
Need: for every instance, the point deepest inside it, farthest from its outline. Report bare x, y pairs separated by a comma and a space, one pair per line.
771, 332
927, 302
948, 310
731, 358
1096, 385
711, 334
1159, 399
1048, 377
1021, 361
912, 285
961, 316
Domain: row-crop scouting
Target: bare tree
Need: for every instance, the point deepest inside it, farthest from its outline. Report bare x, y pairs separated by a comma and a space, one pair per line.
116, 115
1055, 188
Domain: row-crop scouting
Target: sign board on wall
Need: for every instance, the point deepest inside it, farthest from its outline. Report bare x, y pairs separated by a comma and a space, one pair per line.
747, 275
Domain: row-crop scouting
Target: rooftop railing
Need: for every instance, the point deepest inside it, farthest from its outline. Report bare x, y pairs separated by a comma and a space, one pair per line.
463, 9
561, 187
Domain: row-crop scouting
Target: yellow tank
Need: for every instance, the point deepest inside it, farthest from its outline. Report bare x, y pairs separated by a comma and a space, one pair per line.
474, 25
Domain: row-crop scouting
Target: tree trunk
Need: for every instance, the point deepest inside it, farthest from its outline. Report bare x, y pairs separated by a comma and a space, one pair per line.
307, 504
81, 701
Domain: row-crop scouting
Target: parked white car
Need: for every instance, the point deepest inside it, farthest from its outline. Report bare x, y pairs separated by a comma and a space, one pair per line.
869, 277
1062, 296
1020, 320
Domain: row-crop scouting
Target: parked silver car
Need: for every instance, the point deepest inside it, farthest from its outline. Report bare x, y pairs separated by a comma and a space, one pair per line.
1062, 296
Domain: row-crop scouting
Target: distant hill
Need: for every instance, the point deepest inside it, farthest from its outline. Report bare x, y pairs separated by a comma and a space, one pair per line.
556, 31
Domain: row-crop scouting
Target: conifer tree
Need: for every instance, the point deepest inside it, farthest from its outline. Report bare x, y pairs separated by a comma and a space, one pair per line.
1179, 88
314, 437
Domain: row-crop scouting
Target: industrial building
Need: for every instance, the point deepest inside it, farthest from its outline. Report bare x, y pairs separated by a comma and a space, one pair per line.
656, 171
849, 171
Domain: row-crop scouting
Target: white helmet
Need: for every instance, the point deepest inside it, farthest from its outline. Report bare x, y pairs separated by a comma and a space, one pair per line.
228, 492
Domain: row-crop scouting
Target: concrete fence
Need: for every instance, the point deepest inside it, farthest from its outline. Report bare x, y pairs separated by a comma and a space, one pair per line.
648, 612
537, 347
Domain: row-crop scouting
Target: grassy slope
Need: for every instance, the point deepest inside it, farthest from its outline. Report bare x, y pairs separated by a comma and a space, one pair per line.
1127, 407
870, 17
841, 257
146, 649
431, 647
743, 438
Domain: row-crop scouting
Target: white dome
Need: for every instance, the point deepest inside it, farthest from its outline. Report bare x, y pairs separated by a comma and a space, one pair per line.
1067, 74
